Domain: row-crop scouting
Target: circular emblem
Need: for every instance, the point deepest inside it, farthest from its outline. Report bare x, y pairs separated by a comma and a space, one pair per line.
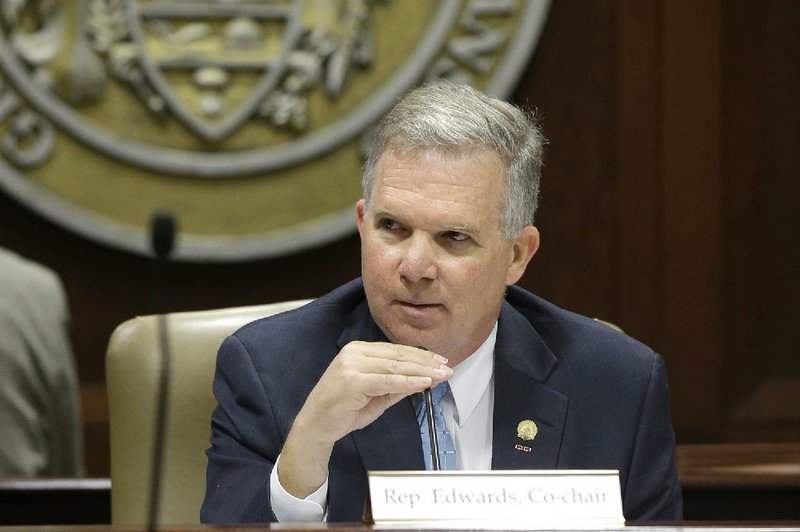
527, 430
247, 119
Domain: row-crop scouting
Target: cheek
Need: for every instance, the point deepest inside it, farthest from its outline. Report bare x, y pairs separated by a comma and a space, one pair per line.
470, 280
483, 282
376, 260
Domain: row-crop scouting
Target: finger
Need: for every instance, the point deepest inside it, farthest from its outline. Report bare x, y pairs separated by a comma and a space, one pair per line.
378, 405
383, 366
378, 385
404, 353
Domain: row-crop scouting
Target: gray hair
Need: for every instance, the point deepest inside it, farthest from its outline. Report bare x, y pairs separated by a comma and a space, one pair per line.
446, 116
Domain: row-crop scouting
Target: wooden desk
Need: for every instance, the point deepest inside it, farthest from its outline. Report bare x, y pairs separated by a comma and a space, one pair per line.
63, 501
791, 526
737, 465
721, 483
740, 480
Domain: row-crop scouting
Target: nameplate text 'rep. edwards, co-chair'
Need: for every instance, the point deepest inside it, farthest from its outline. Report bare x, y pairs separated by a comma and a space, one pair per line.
133, 373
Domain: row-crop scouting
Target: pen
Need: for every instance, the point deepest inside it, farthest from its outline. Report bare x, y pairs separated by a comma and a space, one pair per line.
432, 430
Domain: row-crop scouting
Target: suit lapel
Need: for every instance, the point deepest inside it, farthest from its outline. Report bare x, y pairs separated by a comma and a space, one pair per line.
391, 442
522, 364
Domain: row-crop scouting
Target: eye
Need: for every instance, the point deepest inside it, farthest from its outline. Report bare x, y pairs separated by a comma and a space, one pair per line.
389, 224
456, 236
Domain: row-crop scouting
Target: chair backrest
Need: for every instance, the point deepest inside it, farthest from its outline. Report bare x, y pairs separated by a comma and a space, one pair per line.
132, 374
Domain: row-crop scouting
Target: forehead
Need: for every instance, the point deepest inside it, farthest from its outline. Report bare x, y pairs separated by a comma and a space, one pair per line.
454, 186
477, 168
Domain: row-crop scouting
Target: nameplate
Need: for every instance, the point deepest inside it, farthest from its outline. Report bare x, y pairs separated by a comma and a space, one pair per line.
496, 499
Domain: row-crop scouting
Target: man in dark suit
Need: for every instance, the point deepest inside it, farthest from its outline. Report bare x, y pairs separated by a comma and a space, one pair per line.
312, 399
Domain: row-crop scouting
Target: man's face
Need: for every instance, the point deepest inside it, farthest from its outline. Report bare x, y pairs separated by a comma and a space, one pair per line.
434, 263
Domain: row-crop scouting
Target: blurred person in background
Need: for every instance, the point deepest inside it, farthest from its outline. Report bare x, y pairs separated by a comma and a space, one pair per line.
40, 425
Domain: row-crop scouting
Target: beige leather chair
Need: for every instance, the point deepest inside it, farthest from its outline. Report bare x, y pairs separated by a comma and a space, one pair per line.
132, 374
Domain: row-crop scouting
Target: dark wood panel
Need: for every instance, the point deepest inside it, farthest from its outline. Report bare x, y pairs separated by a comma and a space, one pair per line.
745, 240
638, 217
572, 84
692, 266
765, 274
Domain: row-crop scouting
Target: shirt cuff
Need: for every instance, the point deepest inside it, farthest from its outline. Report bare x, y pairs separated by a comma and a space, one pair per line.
288, 508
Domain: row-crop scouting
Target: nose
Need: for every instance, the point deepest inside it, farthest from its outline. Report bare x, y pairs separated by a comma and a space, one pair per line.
419, 260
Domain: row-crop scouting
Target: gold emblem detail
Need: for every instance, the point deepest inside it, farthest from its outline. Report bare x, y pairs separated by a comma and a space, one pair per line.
527, 430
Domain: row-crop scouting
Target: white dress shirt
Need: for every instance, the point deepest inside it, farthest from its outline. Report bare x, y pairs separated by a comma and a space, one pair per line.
468, 413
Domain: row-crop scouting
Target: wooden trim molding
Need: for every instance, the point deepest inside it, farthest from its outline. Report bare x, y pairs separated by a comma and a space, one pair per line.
739, 465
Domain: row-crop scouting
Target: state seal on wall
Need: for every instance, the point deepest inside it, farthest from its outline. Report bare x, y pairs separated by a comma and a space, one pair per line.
247, 119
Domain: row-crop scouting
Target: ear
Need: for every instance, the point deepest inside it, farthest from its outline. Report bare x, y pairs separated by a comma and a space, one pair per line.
523, 248
360, 215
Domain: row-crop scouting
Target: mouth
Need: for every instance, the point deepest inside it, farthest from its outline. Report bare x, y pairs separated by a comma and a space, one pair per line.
415, 306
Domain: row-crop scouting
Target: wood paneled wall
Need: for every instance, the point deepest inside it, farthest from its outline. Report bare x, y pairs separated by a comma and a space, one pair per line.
668, 207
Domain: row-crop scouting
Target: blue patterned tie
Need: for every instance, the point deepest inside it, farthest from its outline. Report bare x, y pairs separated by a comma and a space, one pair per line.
447, 451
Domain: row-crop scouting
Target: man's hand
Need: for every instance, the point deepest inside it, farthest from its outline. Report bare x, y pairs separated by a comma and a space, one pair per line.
360, 384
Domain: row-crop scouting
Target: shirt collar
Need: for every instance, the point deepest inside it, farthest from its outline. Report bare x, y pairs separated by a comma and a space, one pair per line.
471, 378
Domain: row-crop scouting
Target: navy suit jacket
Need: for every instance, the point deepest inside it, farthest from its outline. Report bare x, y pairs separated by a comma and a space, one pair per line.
599, 398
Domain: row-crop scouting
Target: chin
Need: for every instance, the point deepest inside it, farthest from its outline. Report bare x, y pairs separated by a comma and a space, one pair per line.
406, 335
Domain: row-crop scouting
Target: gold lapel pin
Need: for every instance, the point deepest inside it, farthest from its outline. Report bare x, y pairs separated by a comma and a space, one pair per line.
527, 430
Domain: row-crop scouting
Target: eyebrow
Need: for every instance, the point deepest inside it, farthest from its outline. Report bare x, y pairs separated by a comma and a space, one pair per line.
462, 228
382, 212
